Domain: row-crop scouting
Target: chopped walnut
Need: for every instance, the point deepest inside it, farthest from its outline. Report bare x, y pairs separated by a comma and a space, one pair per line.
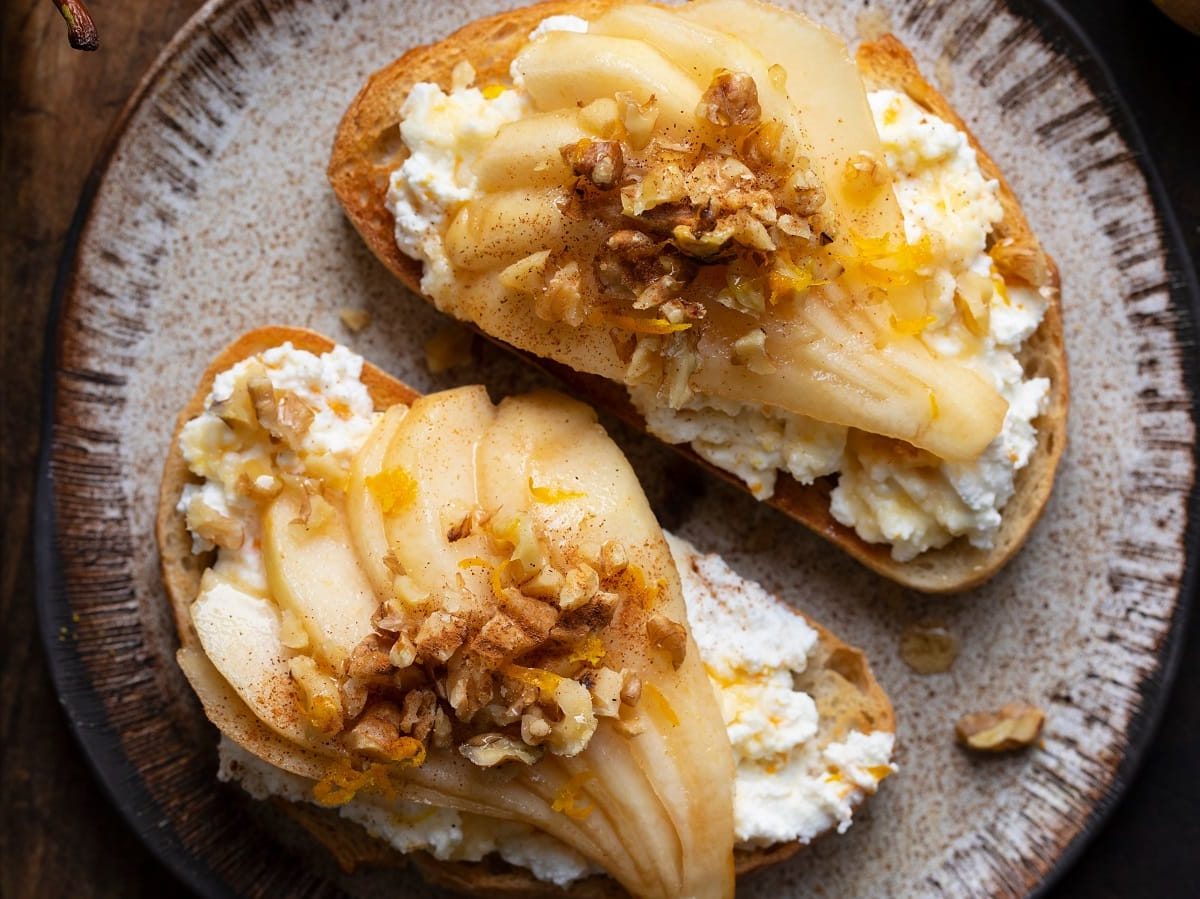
546, 584
534, 727
638, 119
443, 729
354, 696
750, 350
613, 559
533, 617
467, 525
499, 640
284, 415
804, 194
238, 408
602, 162
489, 750
319, 694
377, 734
439, 635
1014, 726
210, 525
562, 299
668, 635
369, 658
418, 713
631, 687
605, 686
469, 686
865, 176
403, 653
633, 245
598, 611
582, 583
731, 99
388, 617
354, 319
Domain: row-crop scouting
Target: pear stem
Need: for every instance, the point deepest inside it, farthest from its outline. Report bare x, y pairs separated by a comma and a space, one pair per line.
81, 30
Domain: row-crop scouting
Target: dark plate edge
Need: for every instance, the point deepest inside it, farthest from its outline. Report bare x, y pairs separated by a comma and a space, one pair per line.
86, 718
1155, 688
101, 744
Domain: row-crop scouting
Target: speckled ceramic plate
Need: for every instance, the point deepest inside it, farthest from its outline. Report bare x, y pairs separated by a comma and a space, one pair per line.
211, 215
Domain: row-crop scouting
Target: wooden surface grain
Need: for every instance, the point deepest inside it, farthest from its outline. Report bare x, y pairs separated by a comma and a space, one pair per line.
58, 833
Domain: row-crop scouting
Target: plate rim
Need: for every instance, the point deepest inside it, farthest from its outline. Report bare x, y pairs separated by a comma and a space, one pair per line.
100, 741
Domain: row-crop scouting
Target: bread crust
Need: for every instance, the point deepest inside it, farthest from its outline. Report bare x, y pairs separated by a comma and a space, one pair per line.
367, 148
853, 699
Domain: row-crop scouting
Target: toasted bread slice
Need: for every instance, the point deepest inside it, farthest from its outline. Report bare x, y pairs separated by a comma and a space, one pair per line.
367, 149
839, 678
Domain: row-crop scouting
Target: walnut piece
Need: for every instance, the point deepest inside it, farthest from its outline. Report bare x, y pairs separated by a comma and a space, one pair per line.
439, 636
731, 99
605, 686
284, 415
613, 559
369, 658
668, 635
319, 695
582, 583
354, 319
207, 523
489, 750
1015, 725
377, 734
602, 162
419, 713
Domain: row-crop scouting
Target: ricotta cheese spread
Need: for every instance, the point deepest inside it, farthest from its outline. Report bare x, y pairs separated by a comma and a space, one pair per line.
912, 501
786, 788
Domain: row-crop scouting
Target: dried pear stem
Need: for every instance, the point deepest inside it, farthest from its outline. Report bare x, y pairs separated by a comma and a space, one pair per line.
81, 30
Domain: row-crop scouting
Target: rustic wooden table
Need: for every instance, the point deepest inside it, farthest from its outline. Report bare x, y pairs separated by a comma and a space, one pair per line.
58, 833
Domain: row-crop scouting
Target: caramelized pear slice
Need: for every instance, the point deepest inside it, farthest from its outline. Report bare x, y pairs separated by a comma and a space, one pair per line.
525, 153
363, 516
434, 451
547, 455
564, 69
240, 634
839, 363
313, 571
493, 230
251, 698
701, 51
824, 84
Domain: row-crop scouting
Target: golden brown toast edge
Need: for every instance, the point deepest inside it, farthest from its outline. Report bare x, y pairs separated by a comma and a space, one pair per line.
852, 699
367, 148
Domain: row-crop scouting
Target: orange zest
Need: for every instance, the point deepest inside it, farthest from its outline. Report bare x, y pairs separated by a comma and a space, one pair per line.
393, 489
551, 495
645, 325
565, 800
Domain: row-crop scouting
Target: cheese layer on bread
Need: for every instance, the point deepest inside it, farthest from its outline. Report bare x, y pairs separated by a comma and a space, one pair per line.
750, 412
797, 774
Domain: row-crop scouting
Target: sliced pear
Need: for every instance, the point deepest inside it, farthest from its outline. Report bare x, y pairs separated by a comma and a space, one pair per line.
825, 85
435, 445
495, 229
313, 571
684, 752
525, 153
564, 69
363, 516
700, 51
240, 634
838, 363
